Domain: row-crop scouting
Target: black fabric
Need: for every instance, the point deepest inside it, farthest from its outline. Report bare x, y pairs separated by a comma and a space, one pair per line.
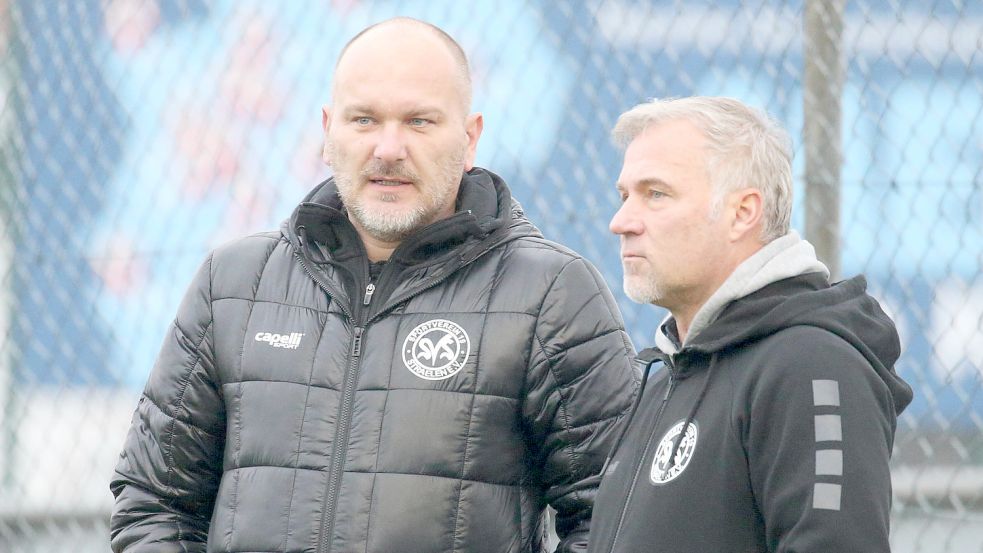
767, 386
283, 413
375, 269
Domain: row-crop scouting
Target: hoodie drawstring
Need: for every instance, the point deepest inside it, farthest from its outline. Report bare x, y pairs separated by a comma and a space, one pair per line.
648, 357
692, 412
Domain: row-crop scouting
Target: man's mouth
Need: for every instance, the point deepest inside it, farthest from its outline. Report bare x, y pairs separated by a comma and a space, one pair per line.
387, 181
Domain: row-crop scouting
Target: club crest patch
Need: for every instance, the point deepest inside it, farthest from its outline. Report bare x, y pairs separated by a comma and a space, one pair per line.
662, 470
436, 349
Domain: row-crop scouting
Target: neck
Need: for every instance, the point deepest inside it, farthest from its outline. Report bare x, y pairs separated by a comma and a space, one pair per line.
683, 320
380, 250
688, 303
377, 250
685, 312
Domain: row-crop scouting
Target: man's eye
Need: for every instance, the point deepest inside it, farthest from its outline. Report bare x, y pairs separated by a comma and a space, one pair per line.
363, 121
418, 122
656, 194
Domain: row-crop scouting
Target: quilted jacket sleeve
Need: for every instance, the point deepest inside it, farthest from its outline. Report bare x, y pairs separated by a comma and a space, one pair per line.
581, 384
168, 472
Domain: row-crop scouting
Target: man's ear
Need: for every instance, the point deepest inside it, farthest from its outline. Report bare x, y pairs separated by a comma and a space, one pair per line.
472, 126
746, 208
326, 125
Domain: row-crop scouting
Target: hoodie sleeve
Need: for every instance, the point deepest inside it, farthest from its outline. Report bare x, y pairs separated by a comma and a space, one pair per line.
819, 438
167, 475
580, 384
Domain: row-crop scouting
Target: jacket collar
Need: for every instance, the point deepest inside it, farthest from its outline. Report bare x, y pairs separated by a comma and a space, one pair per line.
484, 207
782, 258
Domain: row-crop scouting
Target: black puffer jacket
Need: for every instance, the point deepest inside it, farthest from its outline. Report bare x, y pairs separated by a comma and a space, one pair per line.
480, 377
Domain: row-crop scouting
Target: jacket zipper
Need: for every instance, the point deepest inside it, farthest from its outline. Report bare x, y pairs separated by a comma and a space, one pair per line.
645, 453
342, 430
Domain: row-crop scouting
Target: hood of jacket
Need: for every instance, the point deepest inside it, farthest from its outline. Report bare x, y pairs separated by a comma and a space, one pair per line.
485, 216
790, 290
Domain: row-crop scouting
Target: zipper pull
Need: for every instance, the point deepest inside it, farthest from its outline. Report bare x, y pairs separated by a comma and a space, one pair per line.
357, 342
671, 368
369, 290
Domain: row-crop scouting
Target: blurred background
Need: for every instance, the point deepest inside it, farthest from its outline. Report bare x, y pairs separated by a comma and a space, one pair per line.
136, 135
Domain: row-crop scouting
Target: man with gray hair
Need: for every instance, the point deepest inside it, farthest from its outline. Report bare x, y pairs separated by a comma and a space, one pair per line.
768, 423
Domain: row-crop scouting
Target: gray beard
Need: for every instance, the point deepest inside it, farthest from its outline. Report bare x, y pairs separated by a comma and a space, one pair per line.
388, 227
644, 291
395, 227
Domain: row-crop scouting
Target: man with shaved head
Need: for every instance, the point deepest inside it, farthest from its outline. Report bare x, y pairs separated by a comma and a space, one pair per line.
407, 365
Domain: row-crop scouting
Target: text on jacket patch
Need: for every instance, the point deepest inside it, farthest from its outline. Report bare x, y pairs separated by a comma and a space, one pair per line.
665, 468
436, 349
288, 341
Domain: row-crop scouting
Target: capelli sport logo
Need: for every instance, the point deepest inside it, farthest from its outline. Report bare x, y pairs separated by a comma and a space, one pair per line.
286, 341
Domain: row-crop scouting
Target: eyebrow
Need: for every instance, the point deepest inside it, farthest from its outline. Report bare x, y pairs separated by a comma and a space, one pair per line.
428, 112
357, 108
432, 111
651, 181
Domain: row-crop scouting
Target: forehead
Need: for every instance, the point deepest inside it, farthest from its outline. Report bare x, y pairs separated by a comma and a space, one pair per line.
663, 151
397, 65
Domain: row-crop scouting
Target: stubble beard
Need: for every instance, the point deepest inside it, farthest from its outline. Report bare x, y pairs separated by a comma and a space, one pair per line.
642, 287
396, 223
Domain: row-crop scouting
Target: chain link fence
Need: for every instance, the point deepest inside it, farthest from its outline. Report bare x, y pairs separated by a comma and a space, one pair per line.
135, 135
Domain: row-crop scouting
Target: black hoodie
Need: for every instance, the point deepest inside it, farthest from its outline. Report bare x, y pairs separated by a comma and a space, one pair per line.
792, 401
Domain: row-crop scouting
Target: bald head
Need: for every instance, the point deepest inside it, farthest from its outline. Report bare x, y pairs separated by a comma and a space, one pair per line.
400, 36
398, 134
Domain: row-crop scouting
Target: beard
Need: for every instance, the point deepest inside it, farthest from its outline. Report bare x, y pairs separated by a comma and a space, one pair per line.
394, 222
643, 288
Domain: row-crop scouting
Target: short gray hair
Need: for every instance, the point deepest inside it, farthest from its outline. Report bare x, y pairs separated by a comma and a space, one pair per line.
745, 147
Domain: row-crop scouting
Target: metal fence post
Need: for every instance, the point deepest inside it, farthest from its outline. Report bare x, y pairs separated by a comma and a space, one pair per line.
822, 94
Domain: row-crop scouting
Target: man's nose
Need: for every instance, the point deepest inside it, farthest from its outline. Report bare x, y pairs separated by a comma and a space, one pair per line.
391, 145
625, 220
